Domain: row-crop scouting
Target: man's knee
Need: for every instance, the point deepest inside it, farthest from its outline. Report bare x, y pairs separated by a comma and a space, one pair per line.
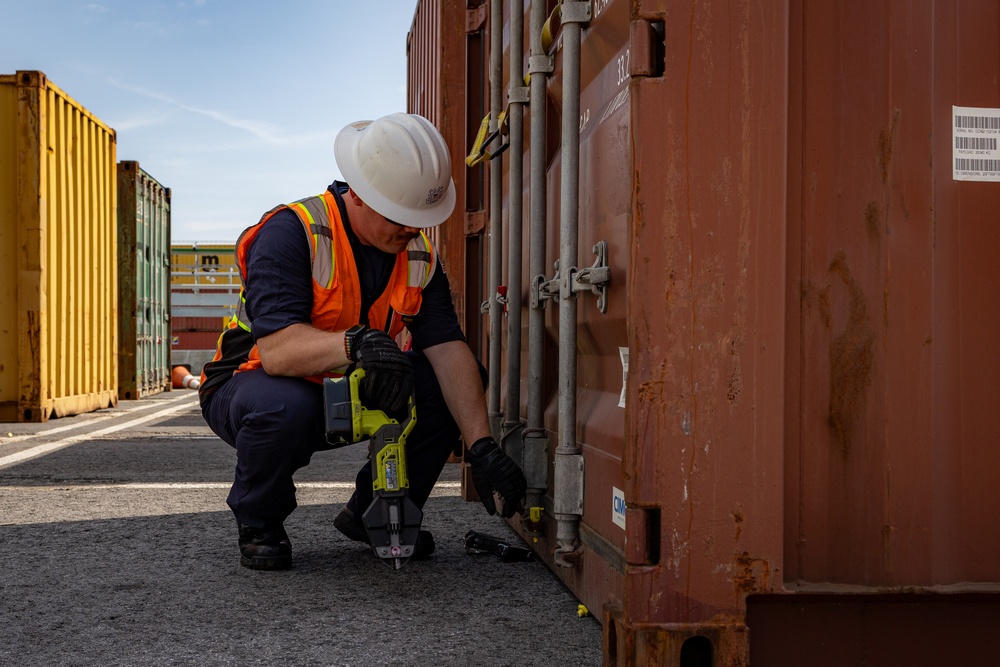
279, 405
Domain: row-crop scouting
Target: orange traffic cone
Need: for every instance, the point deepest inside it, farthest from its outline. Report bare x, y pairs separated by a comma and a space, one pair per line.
183, 379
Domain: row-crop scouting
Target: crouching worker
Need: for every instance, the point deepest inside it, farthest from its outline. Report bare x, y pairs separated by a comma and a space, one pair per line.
329, 282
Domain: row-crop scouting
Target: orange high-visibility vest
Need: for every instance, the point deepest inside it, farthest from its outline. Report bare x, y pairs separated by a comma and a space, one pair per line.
335, 283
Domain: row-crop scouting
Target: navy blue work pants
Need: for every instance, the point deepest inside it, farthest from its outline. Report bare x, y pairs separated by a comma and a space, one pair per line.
276, 425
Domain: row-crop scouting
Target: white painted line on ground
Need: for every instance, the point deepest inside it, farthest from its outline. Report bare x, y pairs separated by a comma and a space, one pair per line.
49, 447
92, 420
58, 429
170, 486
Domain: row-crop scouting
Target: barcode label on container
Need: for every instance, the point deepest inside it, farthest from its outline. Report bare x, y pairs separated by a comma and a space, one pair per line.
975, 143
975, 152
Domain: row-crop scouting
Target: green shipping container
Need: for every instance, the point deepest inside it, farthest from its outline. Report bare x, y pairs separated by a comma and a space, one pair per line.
143, 283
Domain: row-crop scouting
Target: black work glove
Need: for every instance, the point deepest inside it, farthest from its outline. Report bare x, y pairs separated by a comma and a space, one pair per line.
388, 381
493, 470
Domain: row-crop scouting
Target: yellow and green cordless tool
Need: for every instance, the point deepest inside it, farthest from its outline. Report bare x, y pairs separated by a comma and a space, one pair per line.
392, 520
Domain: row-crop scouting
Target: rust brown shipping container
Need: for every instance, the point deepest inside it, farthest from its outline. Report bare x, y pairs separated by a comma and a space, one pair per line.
196, 333
445, 59
58, 270
216, 324
799, 200
194, 340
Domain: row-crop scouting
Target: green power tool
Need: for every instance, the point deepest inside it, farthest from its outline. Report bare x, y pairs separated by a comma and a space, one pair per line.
392, 520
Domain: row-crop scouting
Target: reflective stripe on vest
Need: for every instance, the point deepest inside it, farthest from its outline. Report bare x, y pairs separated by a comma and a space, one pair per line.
315, 214
332, 310
240, 318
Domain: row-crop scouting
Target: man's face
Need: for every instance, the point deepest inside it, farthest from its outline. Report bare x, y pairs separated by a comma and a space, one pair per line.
376, 230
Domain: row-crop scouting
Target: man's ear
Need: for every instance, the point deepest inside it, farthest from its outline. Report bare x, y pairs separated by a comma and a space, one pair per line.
355, 199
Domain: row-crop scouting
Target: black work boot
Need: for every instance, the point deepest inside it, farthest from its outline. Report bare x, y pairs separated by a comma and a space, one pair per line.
265, 548
354, 528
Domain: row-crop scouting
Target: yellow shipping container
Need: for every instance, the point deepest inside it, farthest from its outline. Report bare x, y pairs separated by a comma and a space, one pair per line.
58, 254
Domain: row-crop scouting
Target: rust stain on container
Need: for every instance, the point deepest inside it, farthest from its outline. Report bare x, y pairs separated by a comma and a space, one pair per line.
851, 361
752, 575
873, 220
886, 138
738, 518
735, 387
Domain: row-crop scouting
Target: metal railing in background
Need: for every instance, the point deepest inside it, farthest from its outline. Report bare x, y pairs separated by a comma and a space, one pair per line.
204, 291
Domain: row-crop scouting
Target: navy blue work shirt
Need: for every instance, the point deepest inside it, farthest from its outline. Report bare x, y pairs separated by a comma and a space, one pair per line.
279, 292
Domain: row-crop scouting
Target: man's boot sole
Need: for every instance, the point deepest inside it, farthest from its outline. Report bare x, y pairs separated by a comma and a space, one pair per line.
263, 563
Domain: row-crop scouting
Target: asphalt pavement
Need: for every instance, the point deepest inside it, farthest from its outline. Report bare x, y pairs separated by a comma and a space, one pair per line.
117, 548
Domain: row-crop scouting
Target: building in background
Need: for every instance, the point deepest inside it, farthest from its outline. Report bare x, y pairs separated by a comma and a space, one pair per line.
205, 290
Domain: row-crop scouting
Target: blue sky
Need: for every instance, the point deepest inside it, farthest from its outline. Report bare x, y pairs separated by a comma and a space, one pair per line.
232, 105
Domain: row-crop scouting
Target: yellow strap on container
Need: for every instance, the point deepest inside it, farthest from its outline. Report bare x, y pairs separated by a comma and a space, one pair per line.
548, 33
484, 138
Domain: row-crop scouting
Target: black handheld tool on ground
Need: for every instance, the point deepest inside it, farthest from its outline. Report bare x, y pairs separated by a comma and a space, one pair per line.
478, 543
392, 520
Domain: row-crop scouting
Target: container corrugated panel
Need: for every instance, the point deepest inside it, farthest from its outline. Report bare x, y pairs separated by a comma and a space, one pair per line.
897, 423
797, 276
444, 45
58, 199
706, 290
144, 283
892, 423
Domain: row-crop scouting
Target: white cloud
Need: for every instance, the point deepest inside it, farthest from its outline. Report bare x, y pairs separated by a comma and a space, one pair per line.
261, 130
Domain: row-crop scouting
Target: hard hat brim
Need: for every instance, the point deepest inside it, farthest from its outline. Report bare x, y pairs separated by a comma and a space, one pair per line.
345, 152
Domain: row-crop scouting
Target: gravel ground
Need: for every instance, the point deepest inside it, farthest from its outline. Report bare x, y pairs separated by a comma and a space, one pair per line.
120, 551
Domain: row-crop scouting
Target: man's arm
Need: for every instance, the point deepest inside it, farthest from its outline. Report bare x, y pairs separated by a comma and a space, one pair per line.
491, 468
300, 350
458, 374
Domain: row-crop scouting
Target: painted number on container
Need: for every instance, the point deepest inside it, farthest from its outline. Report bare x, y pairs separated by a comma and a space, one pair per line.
623, 74
600, 6
584, 119
622, 77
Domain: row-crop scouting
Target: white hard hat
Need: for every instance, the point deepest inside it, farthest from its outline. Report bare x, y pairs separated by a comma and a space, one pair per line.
400, 166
